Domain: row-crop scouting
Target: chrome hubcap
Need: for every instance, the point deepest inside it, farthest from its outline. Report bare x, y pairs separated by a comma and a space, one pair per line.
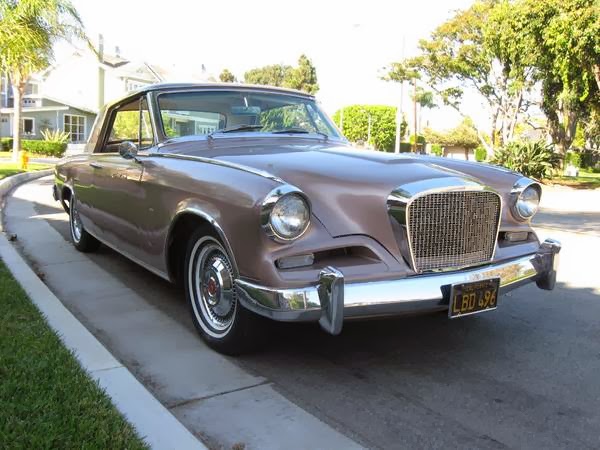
214, 288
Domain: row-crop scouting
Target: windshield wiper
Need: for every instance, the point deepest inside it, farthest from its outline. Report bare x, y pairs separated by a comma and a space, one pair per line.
236, 128
298, 130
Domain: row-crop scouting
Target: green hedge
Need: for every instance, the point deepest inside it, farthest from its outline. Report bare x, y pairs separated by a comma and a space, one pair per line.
6, 144
405, 147
383, 125
46, 148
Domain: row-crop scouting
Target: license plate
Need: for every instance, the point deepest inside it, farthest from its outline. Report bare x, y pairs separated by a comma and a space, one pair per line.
473, 298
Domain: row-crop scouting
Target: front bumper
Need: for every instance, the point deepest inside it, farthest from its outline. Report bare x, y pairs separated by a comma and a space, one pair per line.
331, 300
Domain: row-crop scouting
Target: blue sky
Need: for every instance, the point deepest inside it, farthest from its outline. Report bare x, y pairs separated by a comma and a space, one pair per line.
349, 41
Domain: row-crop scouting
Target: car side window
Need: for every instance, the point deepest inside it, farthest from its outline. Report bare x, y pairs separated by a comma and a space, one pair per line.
130, 122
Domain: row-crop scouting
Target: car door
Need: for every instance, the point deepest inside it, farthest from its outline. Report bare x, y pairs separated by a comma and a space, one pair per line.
119, 196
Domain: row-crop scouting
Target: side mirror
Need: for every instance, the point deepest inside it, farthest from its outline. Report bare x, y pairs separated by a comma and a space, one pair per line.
128, 150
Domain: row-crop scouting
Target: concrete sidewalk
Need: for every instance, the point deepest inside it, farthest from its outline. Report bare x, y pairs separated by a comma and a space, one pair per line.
209, 393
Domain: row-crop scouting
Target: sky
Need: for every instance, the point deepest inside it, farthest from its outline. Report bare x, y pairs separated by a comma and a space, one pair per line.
349, 42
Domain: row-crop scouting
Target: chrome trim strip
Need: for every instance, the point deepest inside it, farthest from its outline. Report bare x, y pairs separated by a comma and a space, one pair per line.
390, 297
400, 199
214, 223
267, 206
221, 163
520, 185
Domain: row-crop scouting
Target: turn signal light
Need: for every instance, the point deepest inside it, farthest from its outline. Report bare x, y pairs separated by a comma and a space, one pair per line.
516, 236
291, 262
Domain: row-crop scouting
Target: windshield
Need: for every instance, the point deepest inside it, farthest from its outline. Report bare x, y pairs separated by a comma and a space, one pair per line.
202, 113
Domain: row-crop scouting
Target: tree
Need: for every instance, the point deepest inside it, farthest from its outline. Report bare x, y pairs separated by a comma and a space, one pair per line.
303, 77
227, 77
383, 125
465, 52
560, 41
424, 99
28, 31
464, 135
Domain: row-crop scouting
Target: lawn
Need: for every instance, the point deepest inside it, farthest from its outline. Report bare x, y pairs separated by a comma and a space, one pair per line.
8, 169
46, 399
585, 180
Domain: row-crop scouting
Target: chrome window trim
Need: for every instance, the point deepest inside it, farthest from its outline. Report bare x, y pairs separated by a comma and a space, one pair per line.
518, 188
250, 88
267, 206
404, 195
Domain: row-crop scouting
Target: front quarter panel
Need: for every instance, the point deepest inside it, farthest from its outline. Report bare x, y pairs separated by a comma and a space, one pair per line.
230, 197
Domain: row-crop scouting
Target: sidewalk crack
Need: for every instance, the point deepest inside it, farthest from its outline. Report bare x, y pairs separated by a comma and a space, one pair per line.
206, 397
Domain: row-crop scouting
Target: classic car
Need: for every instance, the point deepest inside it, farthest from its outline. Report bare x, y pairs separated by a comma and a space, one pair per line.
252, 199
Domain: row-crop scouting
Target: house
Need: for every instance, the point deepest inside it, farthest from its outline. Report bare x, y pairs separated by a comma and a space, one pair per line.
67, 95
459, 152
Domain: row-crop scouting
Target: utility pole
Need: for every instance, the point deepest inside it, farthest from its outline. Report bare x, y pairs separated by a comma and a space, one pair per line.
100, 72
399, 115
414, 148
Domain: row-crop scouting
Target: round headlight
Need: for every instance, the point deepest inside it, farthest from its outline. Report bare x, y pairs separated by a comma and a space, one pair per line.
528, 202
290, 217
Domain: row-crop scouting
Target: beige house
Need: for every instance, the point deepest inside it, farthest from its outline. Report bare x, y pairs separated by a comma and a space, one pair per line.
459, 152
67, 95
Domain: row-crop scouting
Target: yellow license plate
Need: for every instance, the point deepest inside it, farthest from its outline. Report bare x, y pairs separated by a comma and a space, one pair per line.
473, 298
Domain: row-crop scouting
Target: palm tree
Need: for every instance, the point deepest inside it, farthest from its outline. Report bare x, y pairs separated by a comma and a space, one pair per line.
28, 31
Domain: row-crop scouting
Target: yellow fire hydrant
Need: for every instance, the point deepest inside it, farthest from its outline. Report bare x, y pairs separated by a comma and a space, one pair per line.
23, 160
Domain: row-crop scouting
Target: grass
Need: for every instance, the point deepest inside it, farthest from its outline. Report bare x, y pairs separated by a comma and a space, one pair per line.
6, 154
46, 399
585, 180
8, 169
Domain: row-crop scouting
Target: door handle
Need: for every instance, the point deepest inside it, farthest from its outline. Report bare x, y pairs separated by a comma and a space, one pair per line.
96, 165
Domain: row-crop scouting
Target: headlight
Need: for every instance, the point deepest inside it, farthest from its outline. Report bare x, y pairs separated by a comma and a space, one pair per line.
527, 202
285, 214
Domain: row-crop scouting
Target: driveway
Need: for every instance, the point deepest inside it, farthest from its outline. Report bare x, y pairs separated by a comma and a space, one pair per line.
523, 376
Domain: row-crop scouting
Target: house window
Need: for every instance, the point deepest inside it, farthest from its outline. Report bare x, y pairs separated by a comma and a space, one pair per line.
75, 125
134, 85
28, 125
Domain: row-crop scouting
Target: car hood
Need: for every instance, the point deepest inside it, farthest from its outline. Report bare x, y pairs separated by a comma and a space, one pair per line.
347, 188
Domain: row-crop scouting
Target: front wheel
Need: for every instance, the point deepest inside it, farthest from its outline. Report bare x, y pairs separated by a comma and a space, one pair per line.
222, 322
82, 240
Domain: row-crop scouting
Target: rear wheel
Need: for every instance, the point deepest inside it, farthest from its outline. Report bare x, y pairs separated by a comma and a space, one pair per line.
82, 240
219, 317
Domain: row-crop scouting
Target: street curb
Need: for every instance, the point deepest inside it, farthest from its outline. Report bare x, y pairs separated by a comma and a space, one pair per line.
153, 422
9, 183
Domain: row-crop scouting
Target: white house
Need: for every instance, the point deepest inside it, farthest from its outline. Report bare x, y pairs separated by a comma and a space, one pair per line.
67, 95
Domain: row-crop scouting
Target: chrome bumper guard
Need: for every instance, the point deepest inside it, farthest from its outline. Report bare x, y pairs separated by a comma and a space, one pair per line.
331, 300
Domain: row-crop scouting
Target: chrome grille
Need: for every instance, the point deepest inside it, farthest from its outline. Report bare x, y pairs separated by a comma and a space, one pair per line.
453, 229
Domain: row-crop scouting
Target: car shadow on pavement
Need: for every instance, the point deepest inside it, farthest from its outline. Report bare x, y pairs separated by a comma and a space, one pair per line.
580, 222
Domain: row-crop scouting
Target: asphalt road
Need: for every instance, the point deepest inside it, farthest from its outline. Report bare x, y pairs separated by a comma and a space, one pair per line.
525, 376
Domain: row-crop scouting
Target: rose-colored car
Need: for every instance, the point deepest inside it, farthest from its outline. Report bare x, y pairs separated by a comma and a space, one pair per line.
252, 199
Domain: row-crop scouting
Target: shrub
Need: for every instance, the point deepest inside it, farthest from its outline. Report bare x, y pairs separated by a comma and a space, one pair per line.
480, 154
573, 159
44, 147
405, 147
532, 159
62, 137
437, 150
383, 125
6, 144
